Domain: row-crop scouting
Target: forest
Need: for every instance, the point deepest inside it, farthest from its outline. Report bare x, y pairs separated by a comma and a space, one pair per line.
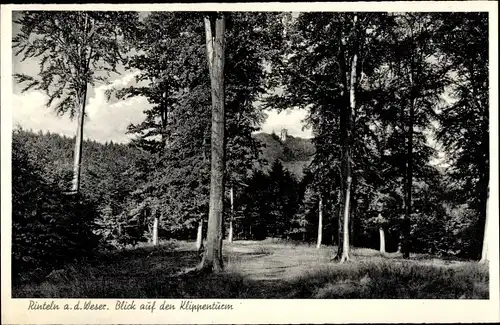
392, 185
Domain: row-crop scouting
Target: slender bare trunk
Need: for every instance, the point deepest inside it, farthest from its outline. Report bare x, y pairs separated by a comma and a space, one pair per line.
164, 121
199, 235
212, 259
347, 157
81, 100
485, 252
339, 225
403, 136
485, 256
382, 240
405, 245
352, 209
345, 242
320, 223
155, 232
77, 156
343, 135
485, 193
230, 237
483, 164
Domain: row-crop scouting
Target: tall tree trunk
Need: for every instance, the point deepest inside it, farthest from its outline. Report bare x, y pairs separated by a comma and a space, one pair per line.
352, 210
348, 178
320, 222
164, 121
230, 237
199, 236
155, 232
345, 241
404, 139
82, 99
77, 156
382, 240
347, 155
333, 235
405, 245
212, 259
349, 106
484, 179
485, 256
339, 224
343, 135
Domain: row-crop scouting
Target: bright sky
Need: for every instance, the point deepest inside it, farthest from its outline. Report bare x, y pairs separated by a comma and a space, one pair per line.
107, 121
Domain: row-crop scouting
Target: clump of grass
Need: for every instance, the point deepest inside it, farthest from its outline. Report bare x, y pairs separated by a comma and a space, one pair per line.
272, 240
261, 249
287, 242
159, 285
390, 280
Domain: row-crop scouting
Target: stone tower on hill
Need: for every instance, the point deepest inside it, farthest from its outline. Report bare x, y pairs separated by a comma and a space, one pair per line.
283, 135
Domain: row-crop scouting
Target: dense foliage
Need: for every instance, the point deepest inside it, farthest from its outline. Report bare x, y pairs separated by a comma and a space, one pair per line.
49, 229
385, 95
381, 129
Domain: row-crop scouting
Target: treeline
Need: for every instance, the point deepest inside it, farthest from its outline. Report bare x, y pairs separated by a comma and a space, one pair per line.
111, 175
272, 203
378, 88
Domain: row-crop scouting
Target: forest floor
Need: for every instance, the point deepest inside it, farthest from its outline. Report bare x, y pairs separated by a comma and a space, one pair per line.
262, 269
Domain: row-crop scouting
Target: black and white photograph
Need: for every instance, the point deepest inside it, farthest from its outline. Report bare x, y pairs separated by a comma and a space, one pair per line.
246, 154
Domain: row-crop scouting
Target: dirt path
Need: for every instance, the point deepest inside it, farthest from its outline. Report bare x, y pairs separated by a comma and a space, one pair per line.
263, 261
274, 262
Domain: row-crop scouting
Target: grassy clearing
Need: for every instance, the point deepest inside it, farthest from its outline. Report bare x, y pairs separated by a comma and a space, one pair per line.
267, 269
389, 280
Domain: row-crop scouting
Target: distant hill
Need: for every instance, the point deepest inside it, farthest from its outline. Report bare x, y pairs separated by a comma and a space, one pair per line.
294, 153
103, 164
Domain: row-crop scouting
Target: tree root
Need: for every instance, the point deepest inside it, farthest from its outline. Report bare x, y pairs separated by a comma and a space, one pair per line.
187, 272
